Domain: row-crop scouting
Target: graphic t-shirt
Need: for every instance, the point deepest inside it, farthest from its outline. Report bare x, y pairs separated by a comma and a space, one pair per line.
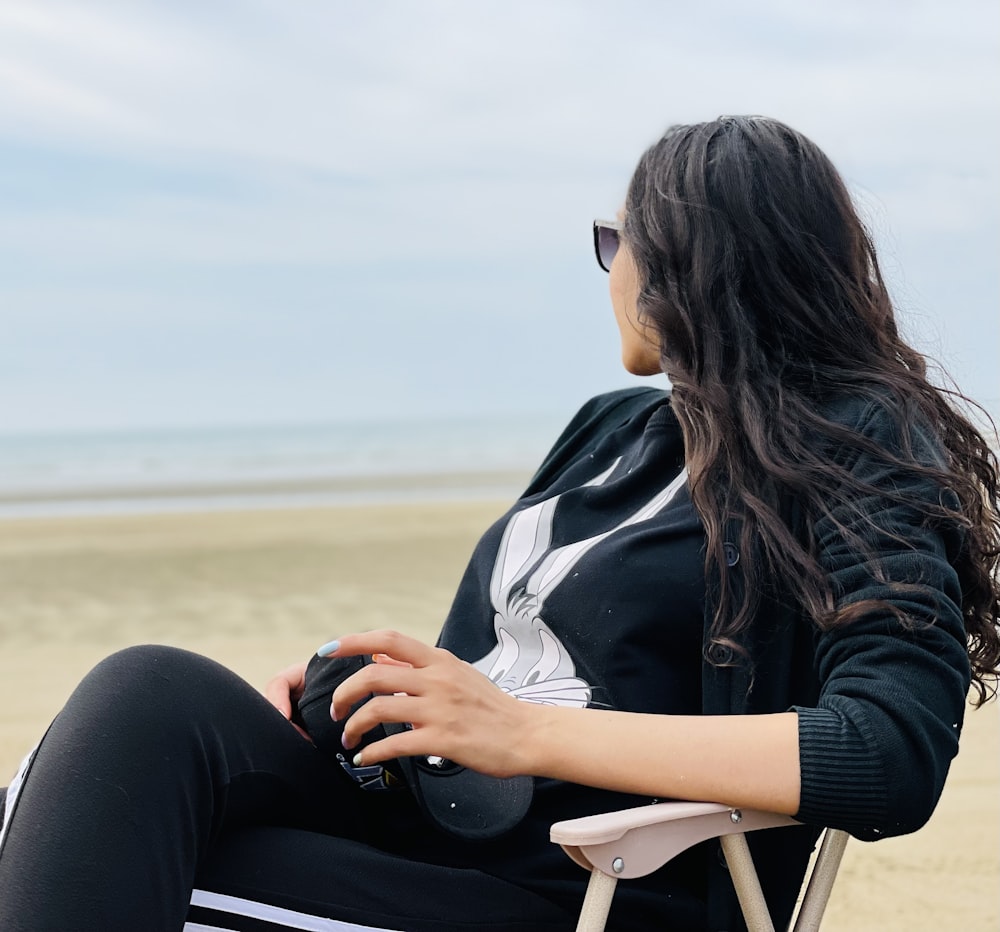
590, 592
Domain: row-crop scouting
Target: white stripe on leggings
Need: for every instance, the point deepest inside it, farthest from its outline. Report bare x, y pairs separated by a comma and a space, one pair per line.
13, 791
288, 918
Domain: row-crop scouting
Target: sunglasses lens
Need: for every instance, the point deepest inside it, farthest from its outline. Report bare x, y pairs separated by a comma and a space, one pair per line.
607, 246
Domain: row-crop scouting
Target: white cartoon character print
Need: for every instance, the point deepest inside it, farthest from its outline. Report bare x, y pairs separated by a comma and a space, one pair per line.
529, 662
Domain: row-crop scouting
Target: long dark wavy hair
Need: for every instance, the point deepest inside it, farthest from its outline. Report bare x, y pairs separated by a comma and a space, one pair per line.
763, 286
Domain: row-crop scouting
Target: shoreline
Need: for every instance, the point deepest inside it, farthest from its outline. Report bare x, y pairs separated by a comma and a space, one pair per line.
269, 494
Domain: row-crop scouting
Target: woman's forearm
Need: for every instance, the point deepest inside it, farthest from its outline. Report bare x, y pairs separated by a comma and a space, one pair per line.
740, 760
457, 713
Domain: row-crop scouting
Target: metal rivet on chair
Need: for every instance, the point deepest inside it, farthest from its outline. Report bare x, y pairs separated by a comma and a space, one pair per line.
618, 865
736, 816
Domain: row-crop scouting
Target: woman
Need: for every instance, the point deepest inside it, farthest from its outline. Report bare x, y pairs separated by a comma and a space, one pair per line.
805, 529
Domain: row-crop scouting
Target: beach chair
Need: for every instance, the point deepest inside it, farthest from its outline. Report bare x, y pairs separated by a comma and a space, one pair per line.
615, 846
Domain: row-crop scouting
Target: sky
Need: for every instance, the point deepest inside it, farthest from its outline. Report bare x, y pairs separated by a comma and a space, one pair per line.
262, 212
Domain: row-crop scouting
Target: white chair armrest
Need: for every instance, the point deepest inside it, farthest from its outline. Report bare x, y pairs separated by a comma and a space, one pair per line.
635, 842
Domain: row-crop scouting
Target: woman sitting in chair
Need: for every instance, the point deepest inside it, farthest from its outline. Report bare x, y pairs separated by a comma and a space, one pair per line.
769, 587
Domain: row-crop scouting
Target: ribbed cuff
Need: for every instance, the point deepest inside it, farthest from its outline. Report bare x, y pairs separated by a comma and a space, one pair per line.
843, 775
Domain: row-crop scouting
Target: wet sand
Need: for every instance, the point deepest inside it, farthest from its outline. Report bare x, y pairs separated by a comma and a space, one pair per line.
258, 590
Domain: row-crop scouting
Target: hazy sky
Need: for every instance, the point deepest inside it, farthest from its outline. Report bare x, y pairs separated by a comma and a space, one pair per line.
263, 211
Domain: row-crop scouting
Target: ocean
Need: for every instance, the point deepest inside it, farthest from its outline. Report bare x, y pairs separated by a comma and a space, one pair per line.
73, 473
146, 471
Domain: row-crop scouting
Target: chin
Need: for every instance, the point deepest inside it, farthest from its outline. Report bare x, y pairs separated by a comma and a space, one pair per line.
642, 366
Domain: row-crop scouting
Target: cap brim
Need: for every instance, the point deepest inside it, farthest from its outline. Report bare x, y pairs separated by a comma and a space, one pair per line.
465, 802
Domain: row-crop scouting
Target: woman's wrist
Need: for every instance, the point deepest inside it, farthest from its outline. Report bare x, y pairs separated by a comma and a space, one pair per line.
534, 747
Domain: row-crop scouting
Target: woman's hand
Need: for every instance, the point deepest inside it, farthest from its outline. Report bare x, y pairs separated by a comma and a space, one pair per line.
285, 689
455, 711
459, 714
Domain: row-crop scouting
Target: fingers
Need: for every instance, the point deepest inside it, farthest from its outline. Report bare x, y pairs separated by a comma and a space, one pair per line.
419, 739
452, 710
381, 679
385, 658
286, 687
492, 749
405, 744
396, 646
277, 693
376, 711
428, 688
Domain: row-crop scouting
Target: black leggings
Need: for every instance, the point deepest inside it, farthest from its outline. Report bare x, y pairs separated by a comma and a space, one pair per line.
166, 773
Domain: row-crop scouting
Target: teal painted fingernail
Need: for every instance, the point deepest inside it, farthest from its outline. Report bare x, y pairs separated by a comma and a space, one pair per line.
330, 647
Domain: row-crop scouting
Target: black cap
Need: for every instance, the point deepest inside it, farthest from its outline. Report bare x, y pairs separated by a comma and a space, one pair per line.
456, 799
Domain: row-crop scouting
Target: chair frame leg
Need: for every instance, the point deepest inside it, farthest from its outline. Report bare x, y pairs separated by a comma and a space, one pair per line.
597, 902
748, 891
821, 880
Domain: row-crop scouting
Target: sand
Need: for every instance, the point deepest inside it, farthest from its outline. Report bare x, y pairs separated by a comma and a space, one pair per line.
259, 590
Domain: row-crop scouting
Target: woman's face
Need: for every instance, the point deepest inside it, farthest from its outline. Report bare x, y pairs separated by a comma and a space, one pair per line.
640, 346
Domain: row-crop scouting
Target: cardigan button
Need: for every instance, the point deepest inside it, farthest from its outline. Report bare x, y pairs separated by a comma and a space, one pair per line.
720, 654
731, 553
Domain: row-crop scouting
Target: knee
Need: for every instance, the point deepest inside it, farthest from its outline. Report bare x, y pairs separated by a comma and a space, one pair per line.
152, 680
142, 664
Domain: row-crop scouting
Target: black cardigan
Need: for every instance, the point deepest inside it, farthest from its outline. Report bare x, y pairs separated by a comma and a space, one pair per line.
880, 707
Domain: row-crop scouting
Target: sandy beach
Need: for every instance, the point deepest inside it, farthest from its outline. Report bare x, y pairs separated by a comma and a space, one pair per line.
258, 590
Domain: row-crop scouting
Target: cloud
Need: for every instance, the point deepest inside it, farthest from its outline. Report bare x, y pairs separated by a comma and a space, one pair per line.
189, 149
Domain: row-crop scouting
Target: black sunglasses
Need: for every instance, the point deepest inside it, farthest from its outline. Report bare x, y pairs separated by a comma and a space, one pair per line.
606, 239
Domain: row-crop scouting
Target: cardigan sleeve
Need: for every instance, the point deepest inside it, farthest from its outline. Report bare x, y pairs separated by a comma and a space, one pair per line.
875, 750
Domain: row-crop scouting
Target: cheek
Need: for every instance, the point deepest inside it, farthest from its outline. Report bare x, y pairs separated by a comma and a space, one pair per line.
622, 303
640, 346
623, 281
